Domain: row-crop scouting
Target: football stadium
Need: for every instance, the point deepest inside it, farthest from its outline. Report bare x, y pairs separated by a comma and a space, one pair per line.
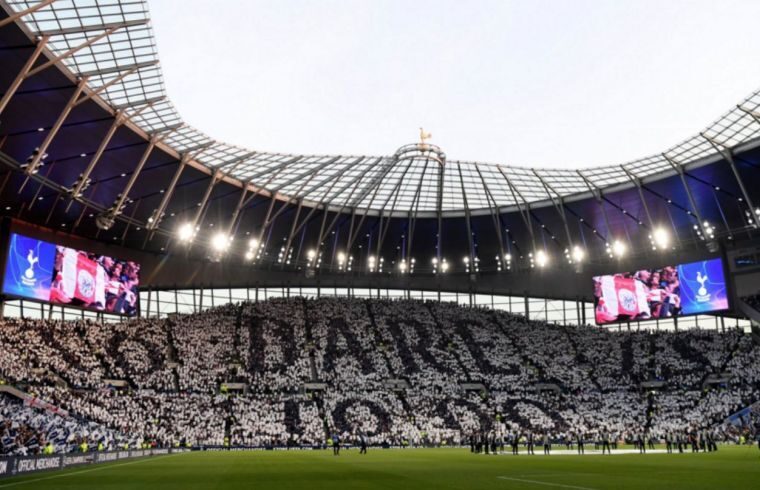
182, 312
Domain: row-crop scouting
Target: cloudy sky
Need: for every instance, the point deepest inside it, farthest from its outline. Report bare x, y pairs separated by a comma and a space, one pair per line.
539, 83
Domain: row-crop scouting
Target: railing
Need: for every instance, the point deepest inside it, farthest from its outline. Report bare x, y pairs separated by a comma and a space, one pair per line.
21, 465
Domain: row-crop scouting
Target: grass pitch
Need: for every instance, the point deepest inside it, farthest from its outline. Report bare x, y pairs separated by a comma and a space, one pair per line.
731, 467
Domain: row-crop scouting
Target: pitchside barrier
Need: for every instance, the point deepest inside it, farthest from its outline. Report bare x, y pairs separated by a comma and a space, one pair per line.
304, 448
20, 465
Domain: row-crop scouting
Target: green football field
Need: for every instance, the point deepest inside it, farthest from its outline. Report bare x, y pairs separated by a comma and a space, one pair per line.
731, 467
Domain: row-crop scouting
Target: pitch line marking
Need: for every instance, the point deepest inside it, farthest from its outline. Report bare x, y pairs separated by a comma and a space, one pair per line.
547, 484
103, 467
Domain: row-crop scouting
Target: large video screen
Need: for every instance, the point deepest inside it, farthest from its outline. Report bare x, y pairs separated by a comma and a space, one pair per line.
665, 292
43, 271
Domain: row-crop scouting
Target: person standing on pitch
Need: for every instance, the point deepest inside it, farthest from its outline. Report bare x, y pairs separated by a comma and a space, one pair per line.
669, 442
581, 448
362, 444
642, 443
606, 441
530, 443
547, 444
336, 445
515, 443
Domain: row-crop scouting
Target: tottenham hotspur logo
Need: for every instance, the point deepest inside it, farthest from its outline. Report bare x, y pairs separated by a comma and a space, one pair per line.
28, 278
702, 295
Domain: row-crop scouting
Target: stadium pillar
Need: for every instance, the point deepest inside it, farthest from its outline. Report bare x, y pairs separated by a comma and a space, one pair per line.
2, 307
527, 306
21, 307
675, 323
147, 314
176, 300
200, 300
583, 312
195, 308
564, 312
577, 311
723, 324
256, 295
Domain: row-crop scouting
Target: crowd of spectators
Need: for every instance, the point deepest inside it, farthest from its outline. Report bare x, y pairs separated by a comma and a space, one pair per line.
296, 371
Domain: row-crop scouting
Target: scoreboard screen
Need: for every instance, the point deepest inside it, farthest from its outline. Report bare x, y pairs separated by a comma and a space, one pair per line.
43, 271
674, 290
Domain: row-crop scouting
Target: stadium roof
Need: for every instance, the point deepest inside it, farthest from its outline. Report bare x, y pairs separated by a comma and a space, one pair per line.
90, 144
109, 44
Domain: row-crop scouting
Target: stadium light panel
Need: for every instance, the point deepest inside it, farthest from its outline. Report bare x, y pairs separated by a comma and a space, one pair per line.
186, 232
618, 248
578, 254
661, 238
220, 242
542, 258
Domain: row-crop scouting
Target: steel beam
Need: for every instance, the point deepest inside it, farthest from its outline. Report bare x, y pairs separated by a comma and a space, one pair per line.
524, 214
394, 194
169, 192
32, 167
94, 27
111, 82
413, 208
71, 51
119, 203
14, 17
118, 121
729, 156
679, 169
559, 207
494, 208
22, 75
467, 220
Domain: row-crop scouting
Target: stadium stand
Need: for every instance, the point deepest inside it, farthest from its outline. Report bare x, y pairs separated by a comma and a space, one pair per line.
465, 372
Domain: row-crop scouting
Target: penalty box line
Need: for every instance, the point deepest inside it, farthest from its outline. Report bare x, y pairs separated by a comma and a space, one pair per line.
544, 483
89, 470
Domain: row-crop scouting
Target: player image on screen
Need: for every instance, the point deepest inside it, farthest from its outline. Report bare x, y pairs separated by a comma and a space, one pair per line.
642, 295
94, 281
